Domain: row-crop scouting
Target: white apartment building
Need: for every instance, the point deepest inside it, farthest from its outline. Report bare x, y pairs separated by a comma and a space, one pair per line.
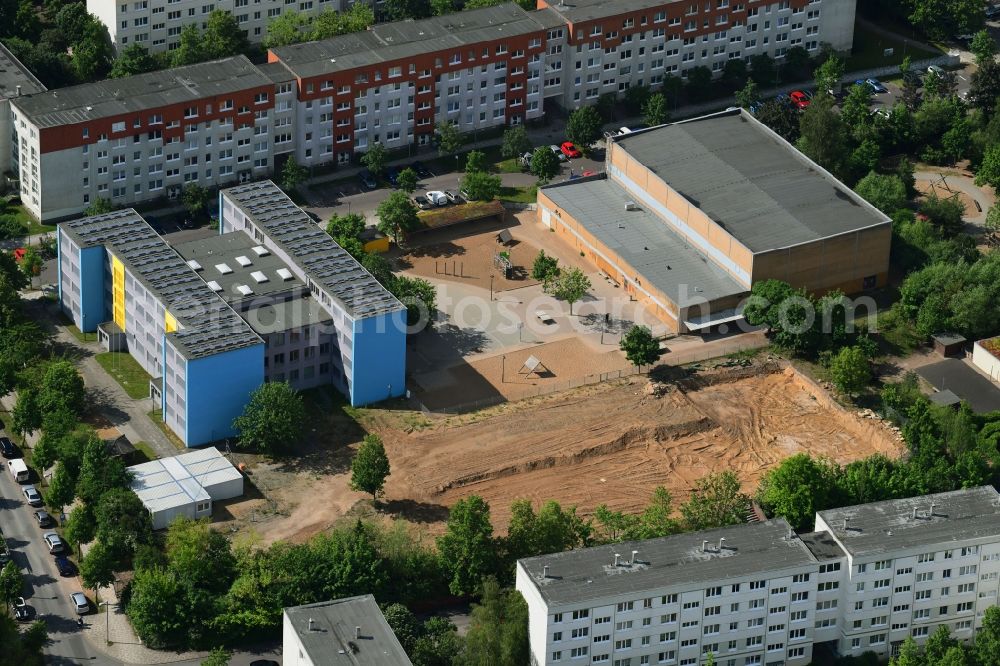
141, 138
759, 594
157, 24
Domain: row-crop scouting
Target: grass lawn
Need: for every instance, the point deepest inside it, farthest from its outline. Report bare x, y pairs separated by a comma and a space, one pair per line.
527, 194
513, 165
156, 416
127, 372
76, 332
869, 46
31, 225
143, 453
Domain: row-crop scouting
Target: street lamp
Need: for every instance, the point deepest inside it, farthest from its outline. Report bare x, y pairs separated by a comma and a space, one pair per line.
491, 286
107, 621
503, 366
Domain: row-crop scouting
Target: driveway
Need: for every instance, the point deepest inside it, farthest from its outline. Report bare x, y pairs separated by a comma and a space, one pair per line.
966, 382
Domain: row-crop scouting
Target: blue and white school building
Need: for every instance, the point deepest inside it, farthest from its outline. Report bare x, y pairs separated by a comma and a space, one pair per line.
271, 298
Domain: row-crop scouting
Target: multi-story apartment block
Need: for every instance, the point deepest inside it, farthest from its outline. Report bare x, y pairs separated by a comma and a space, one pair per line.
612, 46
759, 594
272, 298
157, 24
15, 80
144, 137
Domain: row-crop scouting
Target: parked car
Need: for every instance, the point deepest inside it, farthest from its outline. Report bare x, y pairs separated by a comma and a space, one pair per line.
992, 11
526, 159
623, 131
964, 38
934, 69
559, 153
22, 611
7, 447
44, 519
80, 603
367, 179
392, 175
65, 567
422, 202
454, 197
421, 170
32, 496
437, 197
54, 542
465, 195
799, 99
569, 150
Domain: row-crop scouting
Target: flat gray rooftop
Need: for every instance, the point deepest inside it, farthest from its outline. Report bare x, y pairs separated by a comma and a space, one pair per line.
327, 631
13, 74
579, 576
663, 258
401, 40
881, 527
759, 188
286, 315
113, 97
208, 325
576, 11
326, 263
231, 261
822, 545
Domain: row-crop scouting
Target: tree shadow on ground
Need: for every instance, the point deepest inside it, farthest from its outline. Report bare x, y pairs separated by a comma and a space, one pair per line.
615, 326
414, 511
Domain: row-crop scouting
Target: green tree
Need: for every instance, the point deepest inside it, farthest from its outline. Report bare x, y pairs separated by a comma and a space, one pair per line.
419, 297
62, 388
287, 28
762, 69
370, 467
657, 519
475, 160
159, 608
379, 267
219, 656
440, 644
945, 214
781, 118
989, 169
81, 526
850, 370
939, 19
62, 487
28, 24
481, 186
735, 73
829, 74
330, 23
273, 420
203, 556
987, 646
797, 488
99, 471
27, 415
396, 216
544, 267
133, 59
654, 111
31, 264
749, 94
407, 180
570, 286
716, 501
404, 625
515, 142
467, 548
123, 524
11, 583
498, 632
551, 530
797, 64
21, 344
993, 219
885, 192
584, 127
93, 52
346, 229
606, 105
983, 47
195, 199
699, 82
99, 206
544, 164
97, 568
824, 138
985, 87
640, 347
190, 49
449, 139
223, 36
375, 158
292, 175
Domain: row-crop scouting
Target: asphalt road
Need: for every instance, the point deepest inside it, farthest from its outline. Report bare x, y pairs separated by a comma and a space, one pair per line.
44, 590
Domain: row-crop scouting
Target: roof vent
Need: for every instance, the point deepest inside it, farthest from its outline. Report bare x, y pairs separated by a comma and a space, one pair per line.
214, 286
243, 261
357, 633
311, 623
722, 543
914, 513
634, 553
846, 522
261, 251
284, 274
545, 571
617, 559
223, 268
193, 263
631, 205
259, 276
244, 290
930, 514
704, 546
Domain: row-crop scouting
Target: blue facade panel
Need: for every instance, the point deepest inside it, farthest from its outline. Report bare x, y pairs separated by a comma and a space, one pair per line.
379, 358
93, 305
217, 389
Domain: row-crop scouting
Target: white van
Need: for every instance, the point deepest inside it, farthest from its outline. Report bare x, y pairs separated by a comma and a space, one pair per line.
18, 470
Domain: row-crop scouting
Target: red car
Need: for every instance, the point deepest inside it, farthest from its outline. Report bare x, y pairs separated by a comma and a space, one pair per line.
569, 150
799, 99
